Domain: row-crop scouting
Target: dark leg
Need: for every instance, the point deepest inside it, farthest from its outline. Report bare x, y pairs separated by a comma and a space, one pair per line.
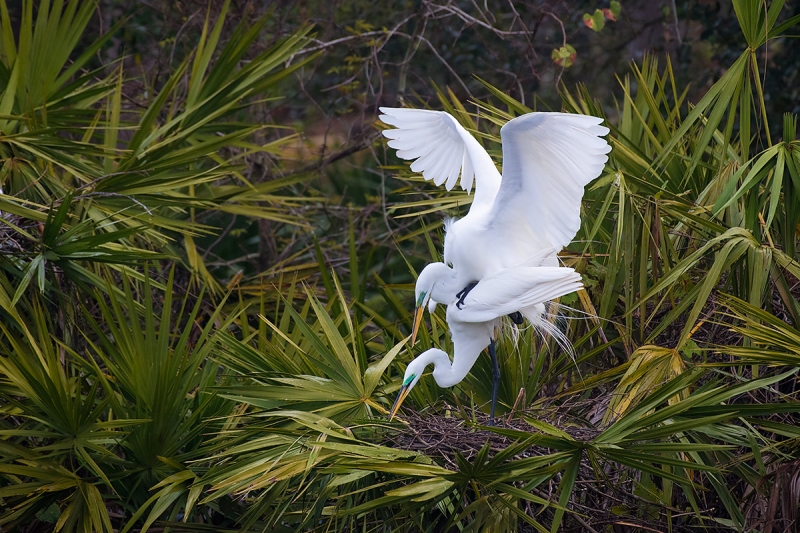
516, 318
495, 379
463, 293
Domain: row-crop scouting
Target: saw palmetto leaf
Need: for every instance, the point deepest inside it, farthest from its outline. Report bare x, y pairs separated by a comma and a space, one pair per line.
64, 154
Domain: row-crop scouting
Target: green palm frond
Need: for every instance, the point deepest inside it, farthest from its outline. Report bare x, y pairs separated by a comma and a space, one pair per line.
311, 364
138, 178
772, 341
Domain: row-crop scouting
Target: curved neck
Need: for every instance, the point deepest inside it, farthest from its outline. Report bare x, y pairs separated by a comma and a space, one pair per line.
444, 372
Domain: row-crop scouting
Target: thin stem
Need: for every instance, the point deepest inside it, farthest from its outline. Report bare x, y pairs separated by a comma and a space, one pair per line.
760, 90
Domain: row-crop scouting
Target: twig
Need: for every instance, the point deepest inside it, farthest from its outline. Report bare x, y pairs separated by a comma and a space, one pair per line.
563, 39
115, 195
446, 64
677, 29
341, 154
219, 239
621, 523
89, 184
582, 522
454, 10
516, 402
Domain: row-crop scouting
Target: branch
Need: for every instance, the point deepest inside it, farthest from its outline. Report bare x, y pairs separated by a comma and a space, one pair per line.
363, 143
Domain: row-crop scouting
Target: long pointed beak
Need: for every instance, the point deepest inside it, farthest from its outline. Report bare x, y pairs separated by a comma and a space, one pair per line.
399, 400
417, 320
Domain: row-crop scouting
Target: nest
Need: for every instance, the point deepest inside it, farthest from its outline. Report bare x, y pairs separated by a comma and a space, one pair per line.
607, 503
445, 433
10, 241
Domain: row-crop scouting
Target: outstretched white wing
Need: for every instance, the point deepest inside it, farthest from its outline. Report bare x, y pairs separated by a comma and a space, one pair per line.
442, 150
548, 158
513, 289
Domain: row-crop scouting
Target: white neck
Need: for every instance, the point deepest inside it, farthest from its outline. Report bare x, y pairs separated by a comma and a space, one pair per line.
444, 372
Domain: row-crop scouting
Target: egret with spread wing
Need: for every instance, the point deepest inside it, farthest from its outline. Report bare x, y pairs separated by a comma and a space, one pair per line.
548, 158
534, 207
472, 325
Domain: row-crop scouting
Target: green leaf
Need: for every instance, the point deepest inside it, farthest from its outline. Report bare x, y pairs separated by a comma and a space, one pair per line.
375, 371
564, 56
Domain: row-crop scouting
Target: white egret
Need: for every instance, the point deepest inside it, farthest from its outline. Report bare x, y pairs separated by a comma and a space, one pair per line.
548, 158
534, 207
472, 325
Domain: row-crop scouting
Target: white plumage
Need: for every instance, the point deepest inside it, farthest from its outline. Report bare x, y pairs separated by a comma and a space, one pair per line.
472, 326
548, 158
503, 253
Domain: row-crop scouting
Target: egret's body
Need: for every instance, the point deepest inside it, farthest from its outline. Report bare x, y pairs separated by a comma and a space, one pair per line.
531, 211
472, 326
548, 158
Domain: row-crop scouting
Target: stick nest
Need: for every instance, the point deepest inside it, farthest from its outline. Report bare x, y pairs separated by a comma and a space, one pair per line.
445, 432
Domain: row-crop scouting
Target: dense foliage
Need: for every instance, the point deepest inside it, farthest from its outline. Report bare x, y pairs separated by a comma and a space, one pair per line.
199, 332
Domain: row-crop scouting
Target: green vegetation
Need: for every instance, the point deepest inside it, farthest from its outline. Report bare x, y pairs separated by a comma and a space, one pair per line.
150, 383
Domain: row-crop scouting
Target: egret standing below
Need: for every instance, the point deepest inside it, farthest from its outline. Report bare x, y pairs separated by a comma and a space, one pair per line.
472, 324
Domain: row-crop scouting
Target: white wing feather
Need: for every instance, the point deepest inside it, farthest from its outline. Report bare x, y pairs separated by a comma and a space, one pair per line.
442, 151
548, 158
516, 288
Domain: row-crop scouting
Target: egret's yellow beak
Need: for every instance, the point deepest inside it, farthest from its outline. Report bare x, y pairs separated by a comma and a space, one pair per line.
417, 320
400, 397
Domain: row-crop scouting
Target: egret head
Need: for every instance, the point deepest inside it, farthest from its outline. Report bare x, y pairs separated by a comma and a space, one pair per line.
413, 372
430, 289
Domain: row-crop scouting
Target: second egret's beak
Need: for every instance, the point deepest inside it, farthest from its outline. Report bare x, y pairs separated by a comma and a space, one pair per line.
400, 397
417, 320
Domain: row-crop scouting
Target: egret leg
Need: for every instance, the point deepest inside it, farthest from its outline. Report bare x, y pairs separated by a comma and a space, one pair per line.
463, 293
495, 379
516, 318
